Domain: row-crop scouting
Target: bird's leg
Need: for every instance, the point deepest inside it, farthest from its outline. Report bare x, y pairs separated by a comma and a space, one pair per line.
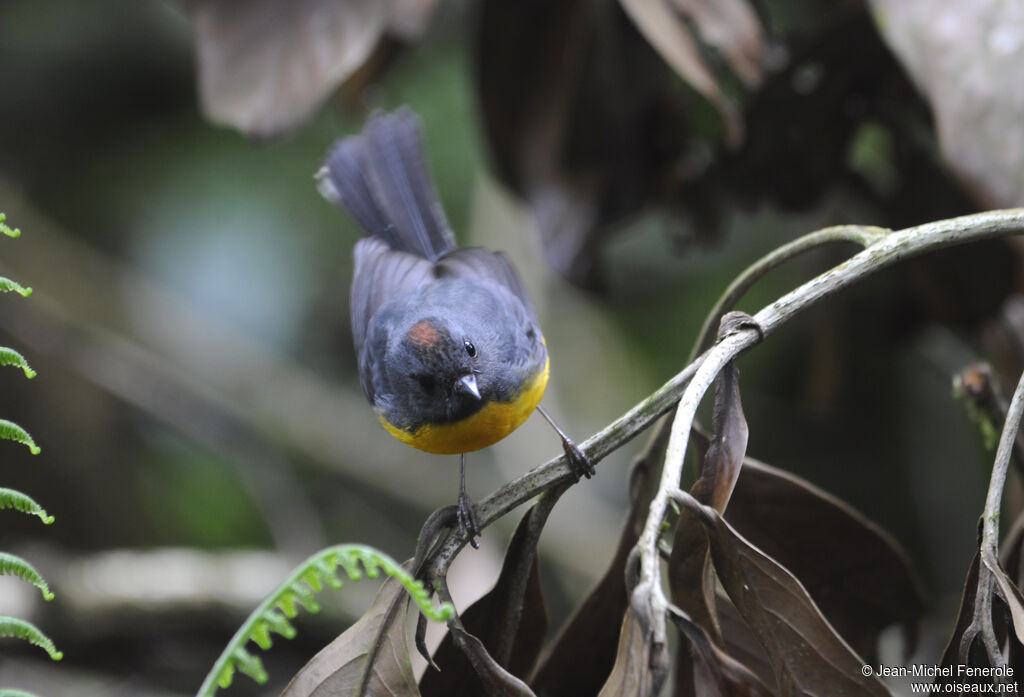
466, 510
578, 462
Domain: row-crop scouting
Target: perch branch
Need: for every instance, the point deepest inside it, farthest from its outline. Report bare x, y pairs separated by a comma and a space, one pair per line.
884, 251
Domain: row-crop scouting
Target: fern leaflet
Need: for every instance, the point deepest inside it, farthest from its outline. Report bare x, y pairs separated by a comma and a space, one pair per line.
20, 629
7, 285
6, 230
15, 693
9, 498
12, 431
11, 565
311, 576
11, 357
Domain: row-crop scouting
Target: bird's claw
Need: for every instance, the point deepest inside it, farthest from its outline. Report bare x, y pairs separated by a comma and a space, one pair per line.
468, 522
578, 462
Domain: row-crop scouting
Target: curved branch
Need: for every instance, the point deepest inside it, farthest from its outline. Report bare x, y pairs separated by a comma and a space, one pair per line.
865, 236
884, 251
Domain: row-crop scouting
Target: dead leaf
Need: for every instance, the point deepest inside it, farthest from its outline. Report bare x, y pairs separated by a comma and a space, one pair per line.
957, 653
728, 24
715, 673
724, 457
579, 660
733, 28
966, 58
560, 133
370, 659
641, 665
807, 655
857, 574
510, 621
496, 681
264, 66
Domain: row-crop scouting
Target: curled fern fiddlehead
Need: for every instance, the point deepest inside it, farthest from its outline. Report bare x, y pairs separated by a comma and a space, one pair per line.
12, 431
12, 565
272, 615
20, 629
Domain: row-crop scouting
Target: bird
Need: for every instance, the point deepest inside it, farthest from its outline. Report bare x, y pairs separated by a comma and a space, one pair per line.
450, 353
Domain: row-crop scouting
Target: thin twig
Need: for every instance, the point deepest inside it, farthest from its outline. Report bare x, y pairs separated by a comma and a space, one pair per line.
865, 236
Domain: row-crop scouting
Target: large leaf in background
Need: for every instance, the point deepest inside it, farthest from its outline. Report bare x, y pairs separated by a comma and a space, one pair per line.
729, 25
370, 659
807, 655
265, 66
967, 58
509, 623
494, 680
856, 573
583, 119
579, 660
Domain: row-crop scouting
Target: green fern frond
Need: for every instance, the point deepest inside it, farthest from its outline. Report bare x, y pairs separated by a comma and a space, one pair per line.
16, 693
11, 357
271, 617
6, 230
7, 285
9, 498
12, 431
11, 565
20, 629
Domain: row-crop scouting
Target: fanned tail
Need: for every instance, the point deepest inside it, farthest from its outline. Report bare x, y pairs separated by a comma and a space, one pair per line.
381, 178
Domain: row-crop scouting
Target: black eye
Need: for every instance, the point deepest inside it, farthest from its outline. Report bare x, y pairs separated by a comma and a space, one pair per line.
427, 382
470, 349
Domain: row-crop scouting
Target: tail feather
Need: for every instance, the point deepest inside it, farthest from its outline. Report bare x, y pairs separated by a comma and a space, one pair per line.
381, 178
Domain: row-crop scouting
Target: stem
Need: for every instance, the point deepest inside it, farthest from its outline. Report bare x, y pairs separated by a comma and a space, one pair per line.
993, 501
865, 236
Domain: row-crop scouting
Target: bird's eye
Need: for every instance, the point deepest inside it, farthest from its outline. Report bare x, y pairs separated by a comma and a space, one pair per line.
470, 349
427, 382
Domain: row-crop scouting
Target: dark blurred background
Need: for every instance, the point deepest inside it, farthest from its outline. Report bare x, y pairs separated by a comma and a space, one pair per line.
197, 403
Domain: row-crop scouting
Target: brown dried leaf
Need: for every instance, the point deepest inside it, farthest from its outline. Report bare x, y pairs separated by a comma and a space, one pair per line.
967, 58
857, 574
265, 66
496, 681
370, 659
715, 673
740, 40
807, 655
510, 620
724, 457
956, 652
734, 29
579, 660
641, 664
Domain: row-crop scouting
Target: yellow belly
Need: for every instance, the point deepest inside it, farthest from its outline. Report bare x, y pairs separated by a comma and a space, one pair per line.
486, 427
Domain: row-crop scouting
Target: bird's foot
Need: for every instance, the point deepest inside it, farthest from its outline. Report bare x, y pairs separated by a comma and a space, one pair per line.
468, 522
578, 462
